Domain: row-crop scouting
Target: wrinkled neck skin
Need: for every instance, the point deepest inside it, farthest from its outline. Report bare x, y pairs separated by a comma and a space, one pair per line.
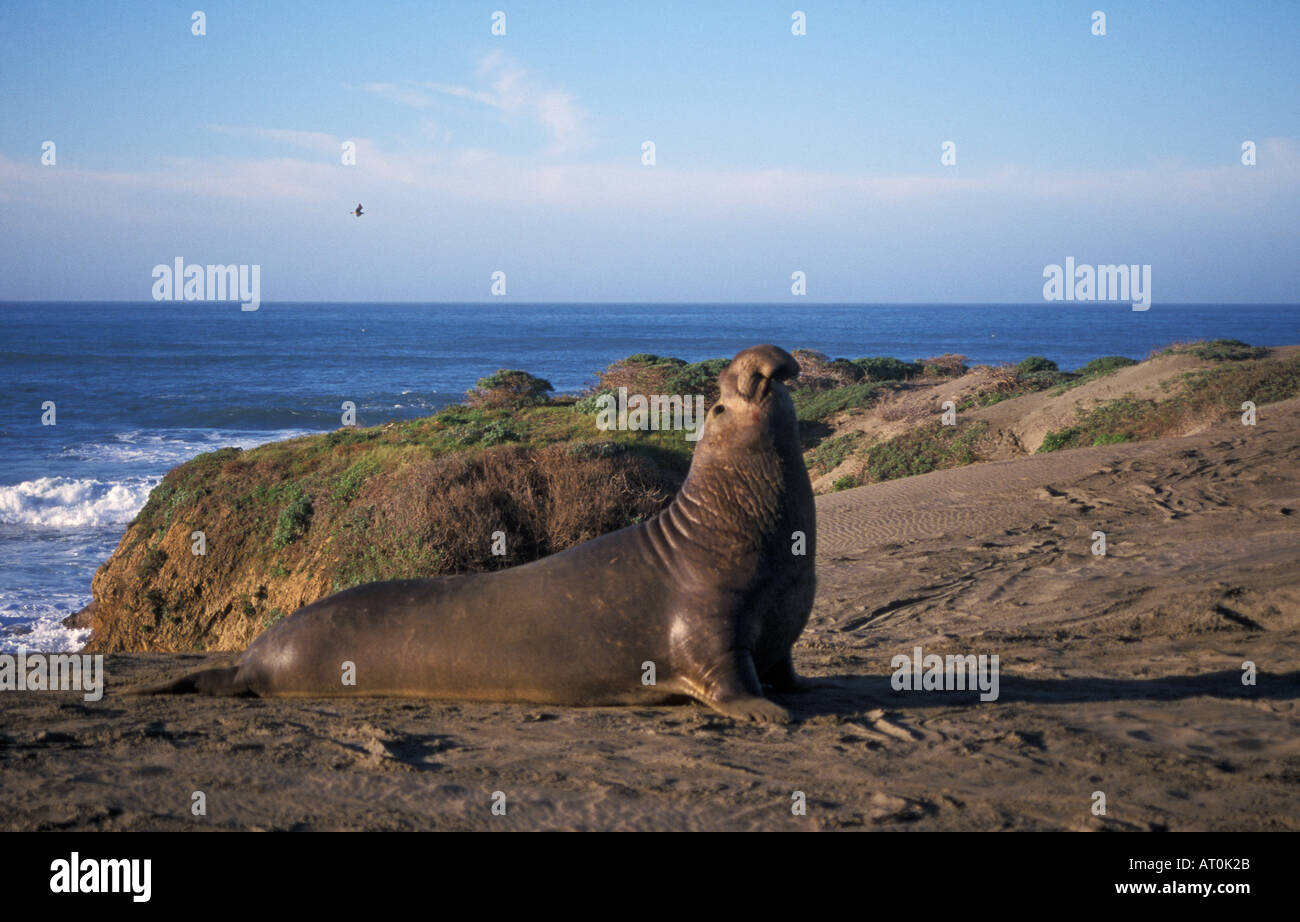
743, 498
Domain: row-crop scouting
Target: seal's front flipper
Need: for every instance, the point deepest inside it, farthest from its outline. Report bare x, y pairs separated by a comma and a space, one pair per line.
734, 690
763, 710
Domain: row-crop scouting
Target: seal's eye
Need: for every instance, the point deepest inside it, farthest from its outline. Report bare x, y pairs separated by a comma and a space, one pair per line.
718, 409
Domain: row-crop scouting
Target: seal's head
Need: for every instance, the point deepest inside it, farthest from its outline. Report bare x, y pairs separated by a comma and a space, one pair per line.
754, 411
747, 477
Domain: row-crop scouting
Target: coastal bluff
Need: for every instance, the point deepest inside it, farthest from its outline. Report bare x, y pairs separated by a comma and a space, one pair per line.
232, 541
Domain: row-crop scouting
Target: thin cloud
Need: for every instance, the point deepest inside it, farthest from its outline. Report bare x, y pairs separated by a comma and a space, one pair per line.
475, 175
318, 141
509, 90
403, 94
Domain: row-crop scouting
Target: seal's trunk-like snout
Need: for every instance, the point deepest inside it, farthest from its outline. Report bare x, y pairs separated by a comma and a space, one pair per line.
751, 370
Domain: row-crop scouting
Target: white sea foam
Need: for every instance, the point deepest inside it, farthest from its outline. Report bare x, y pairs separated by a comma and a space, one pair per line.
34, 619
47, 635
67, 502
86, 502
167, 449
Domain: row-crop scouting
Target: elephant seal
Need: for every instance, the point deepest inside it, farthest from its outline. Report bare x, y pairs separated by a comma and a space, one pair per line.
711, 591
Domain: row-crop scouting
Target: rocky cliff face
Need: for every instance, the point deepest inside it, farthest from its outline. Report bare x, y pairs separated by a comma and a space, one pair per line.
232, 541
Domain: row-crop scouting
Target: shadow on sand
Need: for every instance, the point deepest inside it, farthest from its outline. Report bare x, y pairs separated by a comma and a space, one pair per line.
854, 694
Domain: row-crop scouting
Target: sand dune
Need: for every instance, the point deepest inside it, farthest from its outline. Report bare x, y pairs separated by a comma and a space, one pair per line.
1119, 674
1016, 426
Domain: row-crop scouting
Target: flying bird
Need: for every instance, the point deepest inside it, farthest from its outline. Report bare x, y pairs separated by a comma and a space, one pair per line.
358, 211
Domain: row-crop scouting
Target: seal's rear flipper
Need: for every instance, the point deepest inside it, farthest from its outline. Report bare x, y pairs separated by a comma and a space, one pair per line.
217, 682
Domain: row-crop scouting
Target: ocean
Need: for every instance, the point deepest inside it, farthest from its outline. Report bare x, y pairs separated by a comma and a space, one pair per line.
140, 387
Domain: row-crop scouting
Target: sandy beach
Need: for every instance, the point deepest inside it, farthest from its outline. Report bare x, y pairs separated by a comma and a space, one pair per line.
1119, 673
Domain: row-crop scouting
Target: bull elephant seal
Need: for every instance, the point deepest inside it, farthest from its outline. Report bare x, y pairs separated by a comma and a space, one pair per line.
711, 591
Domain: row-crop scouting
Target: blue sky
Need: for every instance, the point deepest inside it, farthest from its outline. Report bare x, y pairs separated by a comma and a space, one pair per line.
774, 152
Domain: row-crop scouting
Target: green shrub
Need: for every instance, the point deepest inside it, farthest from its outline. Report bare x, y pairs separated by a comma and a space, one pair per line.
811, 406
294, 520
1105, 424
846, 482
643, 373
884, 368
833, 452
466, 436
851, 371
1227, 350
1036, 363
458, 415
948, 365
697, 378
649, 358
590, 404
1216, 350
498, 432
508, 388
1104, 366
1059, 438
930, 448
350, 482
